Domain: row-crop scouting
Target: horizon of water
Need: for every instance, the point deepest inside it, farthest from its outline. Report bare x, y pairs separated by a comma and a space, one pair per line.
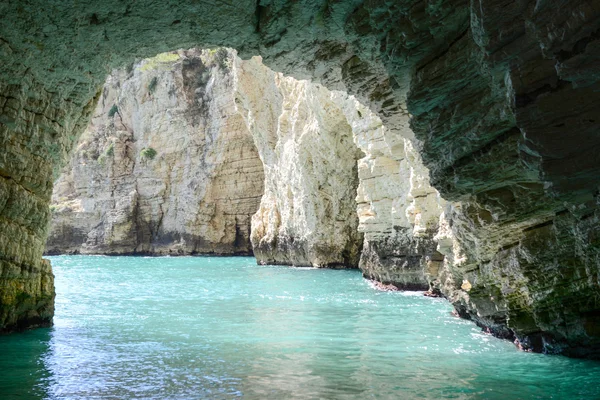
225, 328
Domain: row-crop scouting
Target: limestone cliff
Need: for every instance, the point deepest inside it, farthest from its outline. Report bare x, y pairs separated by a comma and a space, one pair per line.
307, 216
398, 209
309, 140
197, 193
167, 165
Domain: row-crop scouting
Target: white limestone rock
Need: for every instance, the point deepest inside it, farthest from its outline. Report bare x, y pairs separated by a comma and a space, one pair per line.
196, 194
307, 215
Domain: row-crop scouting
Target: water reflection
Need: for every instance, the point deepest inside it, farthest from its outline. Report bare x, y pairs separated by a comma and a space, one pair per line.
24, 374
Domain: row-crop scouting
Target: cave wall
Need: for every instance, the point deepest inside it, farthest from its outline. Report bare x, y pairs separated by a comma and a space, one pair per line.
504, 118
501, 99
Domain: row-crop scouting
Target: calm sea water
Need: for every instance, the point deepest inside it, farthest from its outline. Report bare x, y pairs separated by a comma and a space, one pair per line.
221, 328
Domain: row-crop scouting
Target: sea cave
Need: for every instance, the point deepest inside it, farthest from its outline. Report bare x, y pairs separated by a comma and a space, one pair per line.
358, 164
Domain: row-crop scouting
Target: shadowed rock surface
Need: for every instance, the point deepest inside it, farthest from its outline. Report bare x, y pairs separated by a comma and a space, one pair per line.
503, 98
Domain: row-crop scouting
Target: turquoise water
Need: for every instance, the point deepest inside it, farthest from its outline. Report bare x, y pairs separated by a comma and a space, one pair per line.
221, 328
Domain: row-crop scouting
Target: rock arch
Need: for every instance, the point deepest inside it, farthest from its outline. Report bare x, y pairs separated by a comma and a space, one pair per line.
502, 98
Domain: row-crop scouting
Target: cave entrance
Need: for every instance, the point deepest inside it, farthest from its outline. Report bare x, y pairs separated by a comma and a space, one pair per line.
200, 152
57, 59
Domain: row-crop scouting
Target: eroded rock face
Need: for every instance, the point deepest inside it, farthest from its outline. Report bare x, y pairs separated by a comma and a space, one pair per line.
398, 209
503, 96
199, 191
167, 165
505, 131
307, 216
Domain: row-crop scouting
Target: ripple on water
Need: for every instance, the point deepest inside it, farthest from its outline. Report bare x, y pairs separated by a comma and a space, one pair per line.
201, 327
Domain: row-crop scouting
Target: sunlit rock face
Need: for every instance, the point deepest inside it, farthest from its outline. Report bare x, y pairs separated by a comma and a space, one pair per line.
309, 140
503, 98
397, 208
307, 216
167, 165
199, 191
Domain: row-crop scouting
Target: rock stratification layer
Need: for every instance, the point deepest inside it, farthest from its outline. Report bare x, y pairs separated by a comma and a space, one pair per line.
504, 118
503, 98
167, 165
398, 210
